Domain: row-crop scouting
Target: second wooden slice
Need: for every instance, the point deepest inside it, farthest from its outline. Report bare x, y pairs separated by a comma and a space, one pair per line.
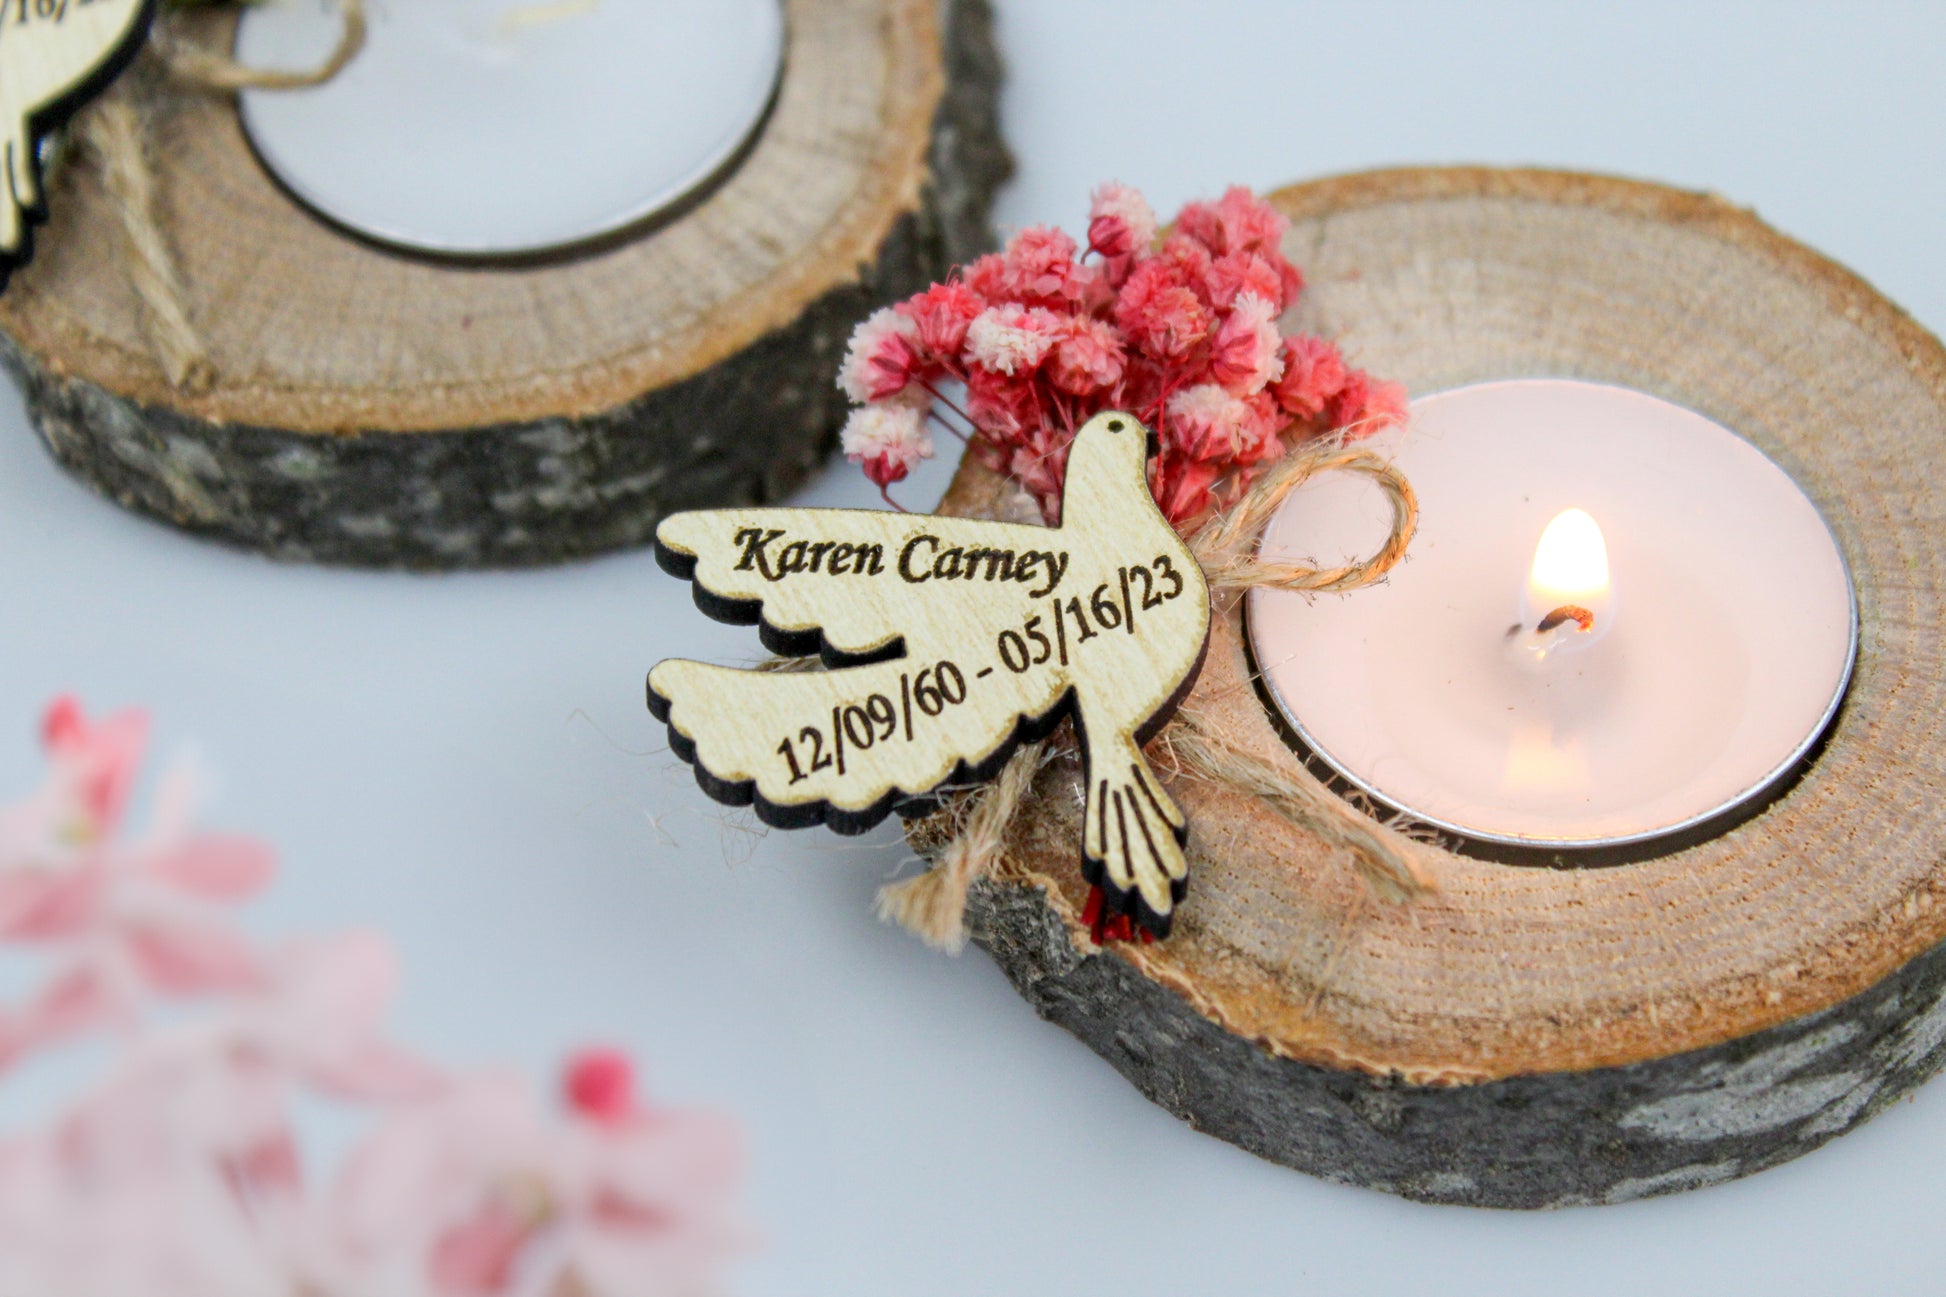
378, 408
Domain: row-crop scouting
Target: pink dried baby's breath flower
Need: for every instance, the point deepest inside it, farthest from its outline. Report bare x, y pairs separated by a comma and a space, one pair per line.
1040, 465
1206, 422
1000, 406
1314, 373
1088, 359
882, 360
1158, 312
1189, 261
1261, 438
1236, 273
1038, 268
1120, 222
1245, 356
886, 441
940, 317
1237, 222
1182, 487
1366, 405
1288, 275
1012, 340
986, 278
1180, 330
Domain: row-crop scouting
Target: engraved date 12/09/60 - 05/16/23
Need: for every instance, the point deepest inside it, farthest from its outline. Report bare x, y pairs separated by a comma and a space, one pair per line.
1050, 632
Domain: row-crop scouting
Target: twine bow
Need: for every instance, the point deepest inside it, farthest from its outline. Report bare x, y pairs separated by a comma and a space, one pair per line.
932, 905
115, 130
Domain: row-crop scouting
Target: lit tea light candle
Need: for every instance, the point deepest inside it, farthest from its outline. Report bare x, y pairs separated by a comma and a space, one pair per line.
511, 127
1499, 686
1568, 601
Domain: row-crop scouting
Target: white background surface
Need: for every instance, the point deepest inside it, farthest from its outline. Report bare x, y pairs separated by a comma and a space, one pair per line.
466, 760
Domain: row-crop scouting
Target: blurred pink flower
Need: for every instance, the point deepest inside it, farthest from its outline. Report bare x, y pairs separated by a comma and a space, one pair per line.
489, 1196
600, 1085
126, 919
181, 1173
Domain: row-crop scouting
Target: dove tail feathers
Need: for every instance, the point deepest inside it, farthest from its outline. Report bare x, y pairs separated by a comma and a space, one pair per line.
1132, 841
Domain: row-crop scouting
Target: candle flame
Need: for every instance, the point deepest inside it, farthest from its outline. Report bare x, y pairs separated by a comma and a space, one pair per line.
1570, 563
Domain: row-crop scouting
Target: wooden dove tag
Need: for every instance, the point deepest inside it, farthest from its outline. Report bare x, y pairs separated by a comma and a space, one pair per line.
949, 641
55, 55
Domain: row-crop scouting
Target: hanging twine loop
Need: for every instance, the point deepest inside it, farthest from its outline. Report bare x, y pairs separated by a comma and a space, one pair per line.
115, 131
932, 905
206, 69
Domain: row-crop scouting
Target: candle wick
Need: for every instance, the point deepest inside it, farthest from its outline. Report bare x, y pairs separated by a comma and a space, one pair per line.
1565, 613
549, 11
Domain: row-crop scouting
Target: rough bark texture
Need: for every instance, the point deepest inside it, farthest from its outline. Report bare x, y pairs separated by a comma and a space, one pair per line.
1565, 1139
1536, 1037
534, 490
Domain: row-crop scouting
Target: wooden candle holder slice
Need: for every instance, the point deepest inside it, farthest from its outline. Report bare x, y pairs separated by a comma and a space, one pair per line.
377, 408
1534, 1037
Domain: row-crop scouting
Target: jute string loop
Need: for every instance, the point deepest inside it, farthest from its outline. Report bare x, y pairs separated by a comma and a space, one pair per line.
932, 905
115, 131
206, 69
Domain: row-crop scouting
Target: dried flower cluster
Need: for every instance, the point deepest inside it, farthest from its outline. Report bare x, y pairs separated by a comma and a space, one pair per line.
181, 1171
1178, 328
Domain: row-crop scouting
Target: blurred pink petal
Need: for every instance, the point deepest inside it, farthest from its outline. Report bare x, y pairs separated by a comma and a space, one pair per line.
326, 1014
41, 903
187, 958
372, 1071
599, 1084
96, 760
428, 1170
76, 1002
478, 1254
671, 1157
216, 867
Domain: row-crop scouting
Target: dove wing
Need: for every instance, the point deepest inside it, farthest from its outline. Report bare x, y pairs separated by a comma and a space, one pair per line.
855, 584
